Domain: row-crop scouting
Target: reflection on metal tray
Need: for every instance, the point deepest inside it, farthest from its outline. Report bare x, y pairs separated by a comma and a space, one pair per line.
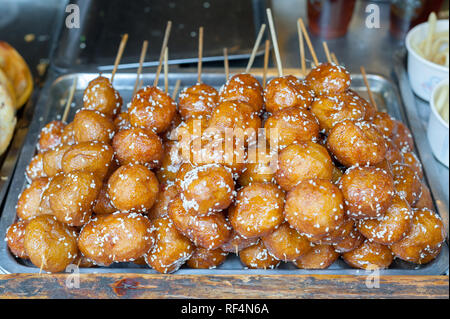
50, 107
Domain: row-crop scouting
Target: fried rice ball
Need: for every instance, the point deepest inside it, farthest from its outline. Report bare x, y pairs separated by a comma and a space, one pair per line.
152, 109
50, 135
407, 183
236, 243
337, 174
393, 154
68, 135
350, 242
424, 241
209, 232
369, 255
36, 167
391, 227
332, 109
411, 159
303, 161
52, 160
243, 88
133, 187
94, 157
72, 196
171, 249
258, 210
260, 169
384, 123
30, 199
338, 234
50, 244
370, 110
315, 208
197, 100
91, 126
171, 162
205, 189
356, 142
234, 115
122, 122
285, 243
368, 191
319, 257
206, 258
103, 204
138, 146
287, 92
118, 237
258, 257
425, 200
100, 96
402, 137
167, 194
327, 78
15, 238
292, 125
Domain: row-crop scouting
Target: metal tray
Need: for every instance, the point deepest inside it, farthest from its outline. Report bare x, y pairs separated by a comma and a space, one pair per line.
50, 107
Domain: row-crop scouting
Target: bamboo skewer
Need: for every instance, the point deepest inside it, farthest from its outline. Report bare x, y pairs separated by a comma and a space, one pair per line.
200, 55
166, 70
226, 65
266, 62
175, 89
141, 61
122, 45
275, 42
369, 91
308, 41
301, 44
163, 49
334, 58
327, 51
255, 48
69, 101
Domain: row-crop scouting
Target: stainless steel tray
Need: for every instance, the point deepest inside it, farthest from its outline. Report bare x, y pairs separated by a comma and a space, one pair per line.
50, 107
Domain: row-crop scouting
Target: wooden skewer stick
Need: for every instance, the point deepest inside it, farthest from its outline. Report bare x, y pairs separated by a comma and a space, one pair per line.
163, 49
226, 64
255, 48
366, 82
166, 70
301, 44
43, 262
200, 55
122, 45
141, 61
334, 58
327, 51
308, 42
69, 101
140, 84
266, 62
275, 42
175, 89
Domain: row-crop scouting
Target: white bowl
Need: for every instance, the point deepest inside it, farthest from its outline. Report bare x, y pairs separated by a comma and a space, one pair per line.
423, 74
438, 129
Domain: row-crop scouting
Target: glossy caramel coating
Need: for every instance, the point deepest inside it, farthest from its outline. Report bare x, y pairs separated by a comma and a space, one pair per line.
402, 137
319, 257
369, 255
393, 154
328, 78
367, 191
168, 192
424, 241
236, 243
258, 257
384, 123
122, 122
243, 88
411, 159
138, 146
152, 109
100, 96
355, 143
15, 238
287, 92
89, 126
285, 243
292, 125
170, 163
103, 204
68, 134
315, 208
407, 183
303, 161
349, 243
234, 115
30, 199
52, 160
209, 232
197, 100
118, 237
50, 135
338, 234
94, 157
206, 258
259, 169
391, 227
36, 167
205, 189
425, 200
370, 110
258, 210
171, 249
133, 187
50, 244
